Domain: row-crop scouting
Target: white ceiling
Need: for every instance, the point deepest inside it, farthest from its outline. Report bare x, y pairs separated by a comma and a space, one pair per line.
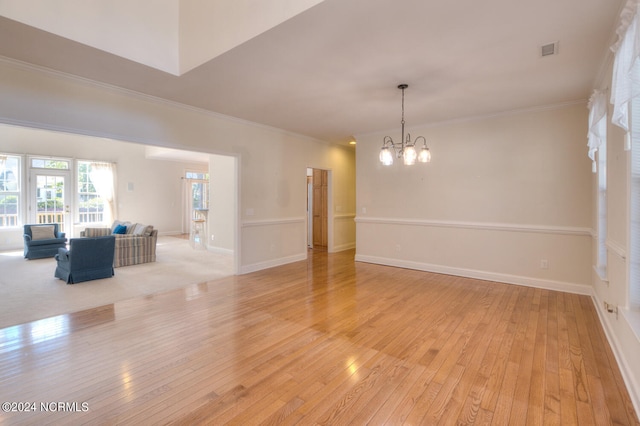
331, 71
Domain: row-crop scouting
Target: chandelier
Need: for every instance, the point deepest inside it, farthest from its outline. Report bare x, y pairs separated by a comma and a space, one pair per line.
405, 148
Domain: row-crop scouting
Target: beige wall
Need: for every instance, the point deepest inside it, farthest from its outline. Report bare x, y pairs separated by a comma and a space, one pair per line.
223, 215
501, 195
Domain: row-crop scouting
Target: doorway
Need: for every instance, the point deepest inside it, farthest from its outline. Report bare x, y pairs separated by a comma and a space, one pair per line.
50, 200
195, 204
317, 208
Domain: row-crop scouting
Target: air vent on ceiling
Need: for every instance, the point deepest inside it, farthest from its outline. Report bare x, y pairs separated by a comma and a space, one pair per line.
549, 49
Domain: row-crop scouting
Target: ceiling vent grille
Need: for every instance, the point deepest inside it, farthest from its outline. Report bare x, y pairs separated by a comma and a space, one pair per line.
549, 49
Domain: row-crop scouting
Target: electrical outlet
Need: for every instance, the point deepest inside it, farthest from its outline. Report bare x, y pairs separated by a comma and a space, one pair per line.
212, 237
544, 264
612, 309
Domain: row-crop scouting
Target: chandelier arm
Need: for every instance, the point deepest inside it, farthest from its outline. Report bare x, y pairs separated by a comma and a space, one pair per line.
388, 141
423, 139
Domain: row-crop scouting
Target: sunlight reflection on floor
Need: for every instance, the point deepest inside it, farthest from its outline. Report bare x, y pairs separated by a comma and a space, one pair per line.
12, 253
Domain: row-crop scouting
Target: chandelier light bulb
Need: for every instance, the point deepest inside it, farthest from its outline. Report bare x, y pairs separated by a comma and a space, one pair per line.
409, 155
386, 158
425, 155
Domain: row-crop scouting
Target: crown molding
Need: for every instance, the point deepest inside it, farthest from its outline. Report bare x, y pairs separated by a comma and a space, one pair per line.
481, 117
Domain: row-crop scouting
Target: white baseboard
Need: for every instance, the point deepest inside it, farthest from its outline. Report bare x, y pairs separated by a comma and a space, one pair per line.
343, 247
169, 233
246, 269
220, 250
480, 275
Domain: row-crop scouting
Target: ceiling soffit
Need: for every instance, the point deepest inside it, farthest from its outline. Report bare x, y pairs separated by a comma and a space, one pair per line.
173, 36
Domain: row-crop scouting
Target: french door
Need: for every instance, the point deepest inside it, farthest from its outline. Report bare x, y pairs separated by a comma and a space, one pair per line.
50, 199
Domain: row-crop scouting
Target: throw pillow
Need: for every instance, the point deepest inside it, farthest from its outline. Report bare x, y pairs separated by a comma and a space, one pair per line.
43, 232
119, 222
120, 229
139, 229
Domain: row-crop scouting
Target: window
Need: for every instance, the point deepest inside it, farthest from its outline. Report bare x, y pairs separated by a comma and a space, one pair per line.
602, 210
634, 207
10, 187
197, 175
91, 204
625, 93
598, 153
199, 190
42, 163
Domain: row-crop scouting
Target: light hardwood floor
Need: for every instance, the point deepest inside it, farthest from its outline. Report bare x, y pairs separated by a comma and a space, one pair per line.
323, 341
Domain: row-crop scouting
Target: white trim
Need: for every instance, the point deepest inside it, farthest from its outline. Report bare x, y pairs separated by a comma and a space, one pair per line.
471, 118
220, 250
273, 222
562, 230
246, 269
633, 318
616, 249
633, 387
344, 247
344, 216
480, 275
601, 273
169, 233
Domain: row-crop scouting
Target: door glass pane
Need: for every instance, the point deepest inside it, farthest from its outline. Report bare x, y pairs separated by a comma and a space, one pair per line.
41, 163
50, 200
199, 195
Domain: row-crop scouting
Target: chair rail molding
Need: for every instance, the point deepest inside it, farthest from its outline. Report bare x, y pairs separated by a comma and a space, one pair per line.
509, 227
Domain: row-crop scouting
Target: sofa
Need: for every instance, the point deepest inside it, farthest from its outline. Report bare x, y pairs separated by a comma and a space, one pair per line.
86, 259
135, 242
43, 240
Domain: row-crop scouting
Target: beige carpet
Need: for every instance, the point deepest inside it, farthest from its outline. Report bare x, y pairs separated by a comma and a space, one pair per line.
29, 291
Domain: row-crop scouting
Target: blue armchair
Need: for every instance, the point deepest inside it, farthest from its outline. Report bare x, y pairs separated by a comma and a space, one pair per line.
86, 259
42, 240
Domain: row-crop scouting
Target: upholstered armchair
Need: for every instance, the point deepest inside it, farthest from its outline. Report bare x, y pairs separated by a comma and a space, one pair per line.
43, 240
86, 259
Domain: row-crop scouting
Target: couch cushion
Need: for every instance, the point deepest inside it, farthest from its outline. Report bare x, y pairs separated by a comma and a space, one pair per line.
60, 242
43, 232
96, 232
140, 229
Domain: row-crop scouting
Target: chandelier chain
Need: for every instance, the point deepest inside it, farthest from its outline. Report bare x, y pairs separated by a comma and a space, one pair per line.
403, 108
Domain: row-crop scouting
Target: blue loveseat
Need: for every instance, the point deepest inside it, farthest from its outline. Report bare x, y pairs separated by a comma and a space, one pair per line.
43, 240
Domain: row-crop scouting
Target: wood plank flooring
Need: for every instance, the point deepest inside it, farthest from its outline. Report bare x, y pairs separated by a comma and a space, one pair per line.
322, 341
